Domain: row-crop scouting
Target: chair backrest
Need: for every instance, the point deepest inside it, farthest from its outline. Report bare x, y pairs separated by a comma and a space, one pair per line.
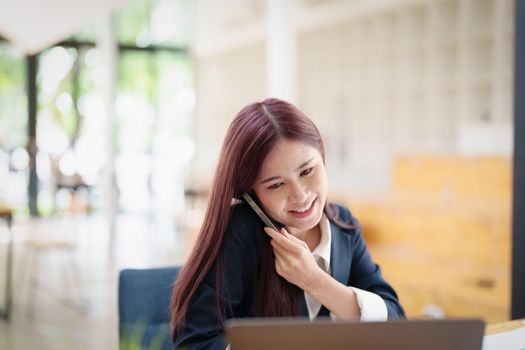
144, 308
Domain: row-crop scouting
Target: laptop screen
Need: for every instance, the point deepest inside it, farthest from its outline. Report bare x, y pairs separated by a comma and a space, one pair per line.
301, 334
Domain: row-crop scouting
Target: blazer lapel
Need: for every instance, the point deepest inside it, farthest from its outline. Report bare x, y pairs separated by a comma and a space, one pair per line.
341, 256
304, 307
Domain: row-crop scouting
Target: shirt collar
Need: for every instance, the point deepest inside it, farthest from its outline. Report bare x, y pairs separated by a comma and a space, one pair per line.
323, 248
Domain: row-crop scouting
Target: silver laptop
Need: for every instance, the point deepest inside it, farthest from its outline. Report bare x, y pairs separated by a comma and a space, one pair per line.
300, 334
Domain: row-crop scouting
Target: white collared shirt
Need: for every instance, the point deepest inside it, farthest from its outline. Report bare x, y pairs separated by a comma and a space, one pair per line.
372, 306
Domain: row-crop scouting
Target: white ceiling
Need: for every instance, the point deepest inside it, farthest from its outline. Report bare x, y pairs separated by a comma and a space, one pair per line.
223, 24
33, 25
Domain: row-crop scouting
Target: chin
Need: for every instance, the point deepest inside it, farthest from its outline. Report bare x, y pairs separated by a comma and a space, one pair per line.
305, 226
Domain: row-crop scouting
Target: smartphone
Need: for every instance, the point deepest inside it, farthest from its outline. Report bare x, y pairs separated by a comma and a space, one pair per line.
259, 212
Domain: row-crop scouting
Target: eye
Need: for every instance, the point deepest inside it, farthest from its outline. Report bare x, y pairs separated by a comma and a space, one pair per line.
306, 171
275, 186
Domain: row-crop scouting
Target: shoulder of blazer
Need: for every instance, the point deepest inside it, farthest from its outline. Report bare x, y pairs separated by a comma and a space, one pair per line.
345, 215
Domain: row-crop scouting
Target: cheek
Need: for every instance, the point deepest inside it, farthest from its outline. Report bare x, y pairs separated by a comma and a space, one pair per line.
323, 179
319, 182
325, 183
272, 202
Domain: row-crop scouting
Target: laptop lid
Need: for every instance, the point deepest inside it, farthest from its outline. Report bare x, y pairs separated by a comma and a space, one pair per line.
300, 334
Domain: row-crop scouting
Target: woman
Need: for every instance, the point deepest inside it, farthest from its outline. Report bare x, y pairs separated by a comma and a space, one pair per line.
316, 265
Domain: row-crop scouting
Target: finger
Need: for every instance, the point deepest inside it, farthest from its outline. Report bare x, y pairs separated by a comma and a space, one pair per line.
281, 262
284, 258
293, 238
283, 240
286, 264
283, 251
279, 254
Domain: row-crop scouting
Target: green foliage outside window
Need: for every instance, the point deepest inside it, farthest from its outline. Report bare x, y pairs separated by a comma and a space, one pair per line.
13, 100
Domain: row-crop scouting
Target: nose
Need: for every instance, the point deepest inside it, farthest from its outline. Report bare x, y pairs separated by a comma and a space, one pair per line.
298, 193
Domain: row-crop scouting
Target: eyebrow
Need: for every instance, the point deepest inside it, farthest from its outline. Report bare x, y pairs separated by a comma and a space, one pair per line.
278, 177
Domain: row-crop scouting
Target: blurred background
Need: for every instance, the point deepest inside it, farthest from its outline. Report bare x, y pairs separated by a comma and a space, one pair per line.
112, 114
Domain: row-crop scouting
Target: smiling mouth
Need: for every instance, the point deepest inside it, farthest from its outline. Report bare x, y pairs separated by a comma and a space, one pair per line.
305, 212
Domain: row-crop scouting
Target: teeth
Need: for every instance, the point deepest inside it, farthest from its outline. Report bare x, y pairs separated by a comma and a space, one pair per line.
305, 209
302, 210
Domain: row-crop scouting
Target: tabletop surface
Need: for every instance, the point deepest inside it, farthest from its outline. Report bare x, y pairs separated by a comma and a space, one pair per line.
504, 326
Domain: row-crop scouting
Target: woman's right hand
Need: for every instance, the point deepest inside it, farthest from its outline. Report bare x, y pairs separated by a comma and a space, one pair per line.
293, 259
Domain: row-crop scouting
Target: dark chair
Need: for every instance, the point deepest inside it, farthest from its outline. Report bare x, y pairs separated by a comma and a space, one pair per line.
144, 308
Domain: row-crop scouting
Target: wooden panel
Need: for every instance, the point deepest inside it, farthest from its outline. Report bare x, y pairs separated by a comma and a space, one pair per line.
442, 235
477, 177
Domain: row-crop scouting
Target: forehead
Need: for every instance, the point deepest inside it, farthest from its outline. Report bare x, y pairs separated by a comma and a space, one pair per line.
286, 156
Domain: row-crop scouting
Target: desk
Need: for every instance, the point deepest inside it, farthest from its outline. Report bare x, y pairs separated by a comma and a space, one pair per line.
6, 214
496, 328
505, 336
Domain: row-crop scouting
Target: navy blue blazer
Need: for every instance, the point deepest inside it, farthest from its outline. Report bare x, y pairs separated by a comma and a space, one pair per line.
350, 264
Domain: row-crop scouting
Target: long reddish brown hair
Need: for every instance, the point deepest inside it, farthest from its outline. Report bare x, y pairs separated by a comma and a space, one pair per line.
251, 136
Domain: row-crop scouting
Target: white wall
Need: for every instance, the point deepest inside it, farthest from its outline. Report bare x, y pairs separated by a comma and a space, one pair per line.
378, 78
226, 82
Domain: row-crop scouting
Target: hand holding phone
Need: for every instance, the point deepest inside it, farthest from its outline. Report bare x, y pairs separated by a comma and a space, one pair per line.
259, 212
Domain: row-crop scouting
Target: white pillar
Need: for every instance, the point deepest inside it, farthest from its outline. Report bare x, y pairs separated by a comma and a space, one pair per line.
108, 48
281, 50
499, 64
